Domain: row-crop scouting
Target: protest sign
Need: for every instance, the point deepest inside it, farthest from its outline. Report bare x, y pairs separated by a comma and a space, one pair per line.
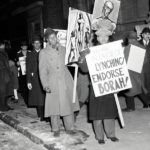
105, 12
136, 58
107, 68
78, 34
22, 61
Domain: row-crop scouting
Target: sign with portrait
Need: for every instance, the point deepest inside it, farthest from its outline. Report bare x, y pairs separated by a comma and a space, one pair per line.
78, 34
22, 61
105, 12
108, 69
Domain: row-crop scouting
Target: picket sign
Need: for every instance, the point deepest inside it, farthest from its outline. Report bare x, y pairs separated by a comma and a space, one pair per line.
119, 110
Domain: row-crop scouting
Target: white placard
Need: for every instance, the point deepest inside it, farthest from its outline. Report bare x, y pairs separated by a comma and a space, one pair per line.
78, 34
136, 58
107, 68
22, 61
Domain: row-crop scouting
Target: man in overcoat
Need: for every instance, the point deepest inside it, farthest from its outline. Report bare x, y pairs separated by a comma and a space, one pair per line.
137, 79
145, 41
58, 84
36, 92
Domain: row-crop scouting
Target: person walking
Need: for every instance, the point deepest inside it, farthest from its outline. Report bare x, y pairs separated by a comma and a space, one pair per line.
36, 95
21, 64
137, 79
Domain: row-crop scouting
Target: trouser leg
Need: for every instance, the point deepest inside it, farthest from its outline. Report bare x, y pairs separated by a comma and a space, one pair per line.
98, 129
24, 89
130, 102
144, 98
40, 111
55, 122
69, 122
109, 126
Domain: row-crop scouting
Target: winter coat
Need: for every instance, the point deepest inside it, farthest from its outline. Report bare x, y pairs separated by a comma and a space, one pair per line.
6, 88
102, 107
36, 95
146, 67
54, 74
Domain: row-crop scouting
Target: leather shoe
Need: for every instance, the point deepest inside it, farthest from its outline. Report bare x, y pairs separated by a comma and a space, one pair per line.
146, 106
71, 132
128, 110
101, 141
114, 139
56, 133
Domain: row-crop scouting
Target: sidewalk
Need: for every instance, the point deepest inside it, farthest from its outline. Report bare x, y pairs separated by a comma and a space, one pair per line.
135, 135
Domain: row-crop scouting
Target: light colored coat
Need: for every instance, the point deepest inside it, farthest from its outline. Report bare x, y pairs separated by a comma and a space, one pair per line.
54, 74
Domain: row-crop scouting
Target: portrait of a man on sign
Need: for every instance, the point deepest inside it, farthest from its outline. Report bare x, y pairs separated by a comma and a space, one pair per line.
105, 12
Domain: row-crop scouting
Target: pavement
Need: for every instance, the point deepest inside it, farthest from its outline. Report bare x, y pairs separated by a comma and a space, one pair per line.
134, 136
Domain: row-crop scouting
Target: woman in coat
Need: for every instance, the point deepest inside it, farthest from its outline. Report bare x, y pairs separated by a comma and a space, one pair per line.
58, 84
102, 110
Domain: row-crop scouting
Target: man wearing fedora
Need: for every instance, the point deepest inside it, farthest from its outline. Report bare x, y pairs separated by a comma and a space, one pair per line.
36, 92
145, 41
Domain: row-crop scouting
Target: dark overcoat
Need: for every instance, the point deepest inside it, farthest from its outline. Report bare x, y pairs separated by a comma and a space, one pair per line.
36, 94
146, 67
6, 88
103, 107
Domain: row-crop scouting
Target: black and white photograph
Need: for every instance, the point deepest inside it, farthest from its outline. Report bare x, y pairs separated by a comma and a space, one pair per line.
74, 74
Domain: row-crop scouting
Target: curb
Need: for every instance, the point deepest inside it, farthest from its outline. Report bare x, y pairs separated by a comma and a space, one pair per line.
16, 125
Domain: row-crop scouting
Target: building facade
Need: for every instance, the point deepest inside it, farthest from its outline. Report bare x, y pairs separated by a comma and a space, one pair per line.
21, 20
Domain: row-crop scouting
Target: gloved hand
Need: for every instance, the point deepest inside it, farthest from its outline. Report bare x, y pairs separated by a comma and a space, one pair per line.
83, 55
47, 89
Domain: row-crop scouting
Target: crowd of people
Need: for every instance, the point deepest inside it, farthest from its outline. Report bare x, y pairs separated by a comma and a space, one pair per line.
47, 85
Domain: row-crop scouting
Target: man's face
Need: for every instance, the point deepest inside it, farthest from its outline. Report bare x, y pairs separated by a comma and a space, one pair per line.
2, 47
24, 47
146, 36
52, 39
37, 45
107, 9
103, 39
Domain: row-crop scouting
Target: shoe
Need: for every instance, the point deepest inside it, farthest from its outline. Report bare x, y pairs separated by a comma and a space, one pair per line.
56, 133
128, 110
10, 108
71, 132
101, 141
14, 100
114, 139
4, 109
146, 106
